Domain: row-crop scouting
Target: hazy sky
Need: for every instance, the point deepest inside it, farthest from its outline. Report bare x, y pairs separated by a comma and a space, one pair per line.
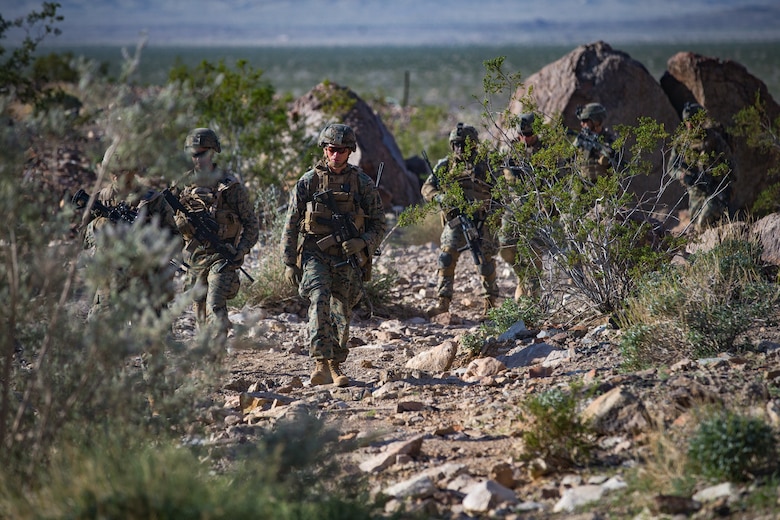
371, 21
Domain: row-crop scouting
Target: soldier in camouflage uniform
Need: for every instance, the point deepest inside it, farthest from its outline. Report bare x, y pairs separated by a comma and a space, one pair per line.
218, 195
599, 161
149, 206
701, 160
472, 176
527, 270
325, 262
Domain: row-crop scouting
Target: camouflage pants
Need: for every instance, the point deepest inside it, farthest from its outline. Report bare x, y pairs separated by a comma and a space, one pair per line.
527, 269
212, 285
452, 241
332, 290
704, 211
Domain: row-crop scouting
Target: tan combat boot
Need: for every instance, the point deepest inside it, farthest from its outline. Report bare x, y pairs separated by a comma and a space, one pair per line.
321, 374
339, 379
440, 308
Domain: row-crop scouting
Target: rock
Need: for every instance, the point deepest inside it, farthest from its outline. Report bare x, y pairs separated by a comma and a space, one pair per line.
576, 497
385, 459
723, 88
598, 73
375, 145
419, 486
483, 367
524, 356
438, 359
486, 495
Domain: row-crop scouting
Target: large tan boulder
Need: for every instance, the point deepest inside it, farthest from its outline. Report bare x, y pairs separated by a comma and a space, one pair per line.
598, 73
332, 103
724, 87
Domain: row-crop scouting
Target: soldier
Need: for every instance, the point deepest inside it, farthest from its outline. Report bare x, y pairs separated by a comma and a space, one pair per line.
527, 270
596, 157
334, 223
128, 200
222, 199
701, 160
471, 174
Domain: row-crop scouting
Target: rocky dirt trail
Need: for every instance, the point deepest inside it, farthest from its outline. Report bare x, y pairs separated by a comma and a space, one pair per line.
439, 429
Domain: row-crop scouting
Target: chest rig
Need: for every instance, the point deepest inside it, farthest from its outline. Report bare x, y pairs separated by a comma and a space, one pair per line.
336, 197
211, 201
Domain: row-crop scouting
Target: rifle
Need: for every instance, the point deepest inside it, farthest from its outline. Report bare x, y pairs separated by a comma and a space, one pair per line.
470, 231
119, 213
587, 140
205, 230
343, 229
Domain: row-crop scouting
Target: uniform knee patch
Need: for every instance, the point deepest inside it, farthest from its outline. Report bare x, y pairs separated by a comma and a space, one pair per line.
445, 259
486, 269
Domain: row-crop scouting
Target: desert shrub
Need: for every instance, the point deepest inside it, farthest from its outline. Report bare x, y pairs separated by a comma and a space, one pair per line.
140, 480
15, 76
258, 140
699, 309
763, 134
730, 446
553, 429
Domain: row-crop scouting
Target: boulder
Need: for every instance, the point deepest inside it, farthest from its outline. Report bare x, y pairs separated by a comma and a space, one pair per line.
723, 88
598, 73
329, 102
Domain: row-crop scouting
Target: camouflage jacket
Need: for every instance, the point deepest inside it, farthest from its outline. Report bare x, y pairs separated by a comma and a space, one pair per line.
225, 200
293, 235
696, 156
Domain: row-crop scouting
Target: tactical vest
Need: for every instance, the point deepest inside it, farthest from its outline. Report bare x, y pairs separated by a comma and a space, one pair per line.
334, 194
211, 200
473, 179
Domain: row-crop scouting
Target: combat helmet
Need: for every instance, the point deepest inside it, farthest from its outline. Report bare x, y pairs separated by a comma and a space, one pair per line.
336, 134
461, 132
690, 109
593, 111
203, 138
527, 123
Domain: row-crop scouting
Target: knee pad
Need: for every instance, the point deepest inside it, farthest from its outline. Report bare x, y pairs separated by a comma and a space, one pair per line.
445, 259
487, 269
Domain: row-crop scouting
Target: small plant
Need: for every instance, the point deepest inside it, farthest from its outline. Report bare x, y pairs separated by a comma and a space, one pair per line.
555, 432
699, 309
730, 446
472, 344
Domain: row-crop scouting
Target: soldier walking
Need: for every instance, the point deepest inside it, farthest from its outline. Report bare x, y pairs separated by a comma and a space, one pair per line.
219, 198
463, 168
334, 223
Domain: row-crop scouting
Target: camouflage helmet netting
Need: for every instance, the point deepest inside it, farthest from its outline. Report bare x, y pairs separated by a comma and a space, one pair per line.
203, 138
461, 132
338, 135
593, 111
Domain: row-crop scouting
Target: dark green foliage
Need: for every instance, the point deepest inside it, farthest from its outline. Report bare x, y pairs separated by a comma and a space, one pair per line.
250, 119
14, 67
553, 429
730, 446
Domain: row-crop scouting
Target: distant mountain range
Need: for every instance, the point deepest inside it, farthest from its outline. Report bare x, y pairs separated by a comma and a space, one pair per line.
410, 22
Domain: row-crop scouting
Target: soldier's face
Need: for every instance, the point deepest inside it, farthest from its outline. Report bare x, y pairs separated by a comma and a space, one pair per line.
337, 157
202, 158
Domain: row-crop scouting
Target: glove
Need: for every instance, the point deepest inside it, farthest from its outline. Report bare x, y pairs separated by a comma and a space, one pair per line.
292, 274
238, 257
353, 245
439, 197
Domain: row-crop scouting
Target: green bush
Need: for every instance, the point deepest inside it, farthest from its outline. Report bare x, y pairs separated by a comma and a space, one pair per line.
553, 429
730, 446
699, 309
110, 479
